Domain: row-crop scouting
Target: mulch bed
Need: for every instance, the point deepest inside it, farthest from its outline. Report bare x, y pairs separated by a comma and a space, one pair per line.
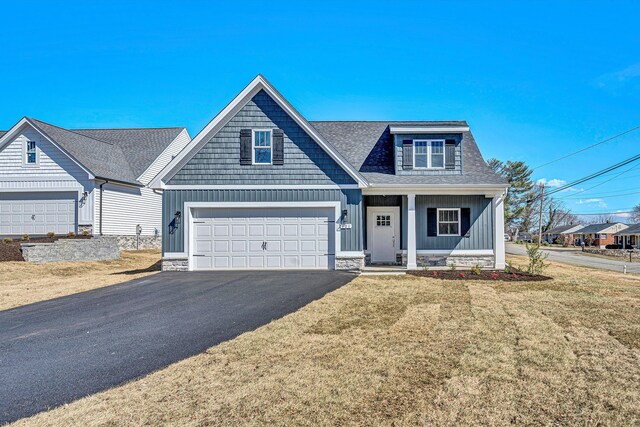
11, 251
501, 276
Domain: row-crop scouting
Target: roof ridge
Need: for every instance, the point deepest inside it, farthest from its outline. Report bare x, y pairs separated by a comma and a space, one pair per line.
387, 121
69, 130
168, 127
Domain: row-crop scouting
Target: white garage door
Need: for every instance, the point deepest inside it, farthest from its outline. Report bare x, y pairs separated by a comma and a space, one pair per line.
265, 238
37, 213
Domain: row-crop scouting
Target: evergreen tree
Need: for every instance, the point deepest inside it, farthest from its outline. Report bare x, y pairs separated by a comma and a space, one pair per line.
521, 190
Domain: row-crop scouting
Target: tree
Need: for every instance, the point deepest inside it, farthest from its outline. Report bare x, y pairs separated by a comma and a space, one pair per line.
636, 213
516, 209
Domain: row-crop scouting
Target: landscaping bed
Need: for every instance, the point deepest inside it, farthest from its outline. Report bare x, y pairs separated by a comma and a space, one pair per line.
500, 276
10, 251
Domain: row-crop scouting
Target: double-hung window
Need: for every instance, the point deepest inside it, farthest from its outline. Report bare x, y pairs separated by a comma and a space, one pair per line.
30, 153
428, 154
449, 222
262, 147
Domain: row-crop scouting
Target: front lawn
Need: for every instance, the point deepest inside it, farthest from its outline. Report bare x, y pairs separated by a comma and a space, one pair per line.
406, 350
25, 283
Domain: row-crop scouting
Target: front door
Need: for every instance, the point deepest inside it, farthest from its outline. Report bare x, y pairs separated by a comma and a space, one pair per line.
384, 224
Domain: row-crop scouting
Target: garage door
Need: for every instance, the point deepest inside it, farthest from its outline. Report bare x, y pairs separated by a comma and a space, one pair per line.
37, 213
269, 238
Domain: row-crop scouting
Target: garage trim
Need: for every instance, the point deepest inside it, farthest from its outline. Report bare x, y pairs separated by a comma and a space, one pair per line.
190, 206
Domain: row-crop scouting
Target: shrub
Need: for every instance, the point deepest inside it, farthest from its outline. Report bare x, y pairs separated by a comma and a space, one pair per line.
7, 240
613, 247
494, 275
425, 268
434, 273
536, 260
519, 242
476, 270
85, 232
461, 275
71, 234
545, 243
452, 266
25, 237
51, 234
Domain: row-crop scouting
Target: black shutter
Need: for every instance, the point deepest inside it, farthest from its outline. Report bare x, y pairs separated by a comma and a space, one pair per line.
450, 154
278, 147
407, 154
465, 221
245, 146
432, 222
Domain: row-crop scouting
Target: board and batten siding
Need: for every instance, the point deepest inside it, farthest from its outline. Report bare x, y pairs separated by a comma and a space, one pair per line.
218, 161
480, 233
125, 207
173, 201
165, 157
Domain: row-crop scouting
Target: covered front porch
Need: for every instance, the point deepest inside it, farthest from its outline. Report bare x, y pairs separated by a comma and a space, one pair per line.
431, 228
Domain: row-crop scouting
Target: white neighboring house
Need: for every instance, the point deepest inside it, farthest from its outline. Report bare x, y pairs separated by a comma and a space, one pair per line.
83, 180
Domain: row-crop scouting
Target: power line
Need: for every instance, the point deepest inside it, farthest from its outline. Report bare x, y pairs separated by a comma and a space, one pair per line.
602, 196
603, 213
587, 148
605, 181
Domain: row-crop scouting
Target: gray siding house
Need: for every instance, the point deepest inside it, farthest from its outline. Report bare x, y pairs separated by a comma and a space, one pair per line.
260, 187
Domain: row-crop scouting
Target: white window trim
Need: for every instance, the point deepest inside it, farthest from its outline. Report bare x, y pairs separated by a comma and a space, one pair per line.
459, 222
429, 145
25, 163
253, 146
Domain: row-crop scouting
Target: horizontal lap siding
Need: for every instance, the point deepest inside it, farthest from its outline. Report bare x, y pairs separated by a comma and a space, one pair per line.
173, 200
218, 161
480, 233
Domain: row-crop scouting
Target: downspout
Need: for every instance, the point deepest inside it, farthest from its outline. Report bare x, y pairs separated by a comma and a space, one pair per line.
101, 198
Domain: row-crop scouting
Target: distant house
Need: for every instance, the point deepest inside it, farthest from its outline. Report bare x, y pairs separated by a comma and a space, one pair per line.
599, 235
629, 237
563, 233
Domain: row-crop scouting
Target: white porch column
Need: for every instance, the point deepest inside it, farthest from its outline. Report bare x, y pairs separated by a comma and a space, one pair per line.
411, 232
497, 205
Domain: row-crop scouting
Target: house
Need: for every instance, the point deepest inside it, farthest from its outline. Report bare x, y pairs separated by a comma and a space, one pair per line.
562, 234
599, 235
85, 181
629, 238
261, 187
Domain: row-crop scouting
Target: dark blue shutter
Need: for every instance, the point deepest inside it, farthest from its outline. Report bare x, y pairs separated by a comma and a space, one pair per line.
465, 221
278, 147
407, 154
432, 222
450, 154
245, 146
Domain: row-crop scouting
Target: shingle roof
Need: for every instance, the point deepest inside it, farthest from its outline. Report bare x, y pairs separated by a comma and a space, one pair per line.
596, 228
633, 229
117, 154
2, 132
368, 146
562, 228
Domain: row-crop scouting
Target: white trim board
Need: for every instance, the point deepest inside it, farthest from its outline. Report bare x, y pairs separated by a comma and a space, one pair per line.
257, 84
427, 129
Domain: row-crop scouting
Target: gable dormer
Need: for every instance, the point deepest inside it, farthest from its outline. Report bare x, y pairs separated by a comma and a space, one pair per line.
428, 150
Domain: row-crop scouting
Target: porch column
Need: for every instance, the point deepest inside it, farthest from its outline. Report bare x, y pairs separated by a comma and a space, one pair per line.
411, 232
498, 230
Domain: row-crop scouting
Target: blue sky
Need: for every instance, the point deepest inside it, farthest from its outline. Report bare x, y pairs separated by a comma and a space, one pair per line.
535, 81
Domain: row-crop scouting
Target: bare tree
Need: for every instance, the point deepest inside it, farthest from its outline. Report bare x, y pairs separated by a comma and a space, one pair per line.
635, 214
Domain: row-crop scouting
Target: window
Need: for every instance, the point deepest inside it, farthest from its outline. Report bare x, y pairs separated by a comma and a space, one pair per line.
603, 236
262, 154
448, 222
30, 153
383, 220
428, 154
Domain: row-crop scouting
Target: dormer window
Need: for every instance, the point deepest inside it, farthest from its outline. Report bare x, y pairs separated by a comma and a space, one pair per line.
428, 154
262, 153
31, 154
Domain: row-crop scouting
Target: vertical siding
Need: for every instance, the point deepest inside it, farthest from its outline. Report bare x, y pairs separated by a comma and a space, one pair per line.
218, 161
480, 233
173, 200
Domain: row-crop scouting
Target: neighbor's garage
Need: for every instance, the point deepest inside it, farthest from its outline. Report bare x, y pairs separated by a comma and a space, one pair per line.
37, 213
262, 238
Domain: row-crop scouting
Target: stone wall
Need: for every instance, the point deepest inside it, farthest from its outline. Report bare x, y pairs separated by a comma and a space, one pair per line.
96, 249
131, 243
618, 253
175, 264
350, 262
484, 261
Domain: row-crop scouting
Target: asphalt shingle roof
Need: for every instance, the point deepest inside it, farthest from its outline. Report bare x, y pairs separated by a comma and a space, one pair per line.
596, 228
633, 229
368, 146
117, 154
562, 228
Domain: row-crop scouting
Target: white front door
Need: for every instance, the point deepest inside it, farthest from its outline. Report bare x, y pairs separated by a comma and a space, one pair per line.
262, 238
384, 233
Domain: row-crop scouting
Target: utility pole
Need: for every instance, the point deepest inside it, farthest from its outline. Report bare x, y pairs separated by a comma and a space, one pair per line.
540, 219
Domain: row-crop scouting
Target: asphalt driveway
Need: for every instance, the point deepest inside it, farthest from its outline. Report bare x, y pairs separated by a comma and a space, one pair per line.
59, 350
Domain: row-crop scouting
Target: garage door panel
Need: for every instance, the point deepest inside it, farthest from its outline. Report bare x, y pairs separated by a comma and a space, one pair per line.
269, 238
37, 213
202, 263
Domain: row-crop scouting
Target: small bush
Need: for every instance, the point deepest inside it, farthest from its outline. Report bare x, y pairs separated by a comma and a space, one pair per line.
71, 234
536, 260
452, 266
51, 234
494, 275
613, 247
545, 243
85, 232
7, 240
25, 237
425, 268
461, 275
519, 242
434, 273
476, 270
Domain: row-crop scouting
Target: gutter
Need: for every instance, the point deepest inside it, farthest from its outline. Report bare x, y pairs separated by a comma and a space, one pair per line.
101, 199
